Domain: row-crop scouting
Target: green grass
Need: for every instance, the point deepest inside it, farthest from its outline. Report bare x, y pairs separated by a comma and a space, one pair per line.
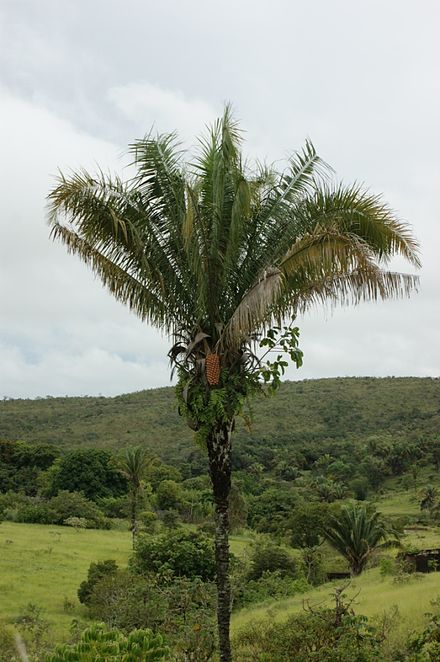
399, 504
373, 595
44, 565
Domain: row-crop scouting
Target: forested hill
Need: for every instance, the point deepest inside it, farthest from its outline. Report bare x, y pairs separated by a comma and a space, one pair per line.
319, 412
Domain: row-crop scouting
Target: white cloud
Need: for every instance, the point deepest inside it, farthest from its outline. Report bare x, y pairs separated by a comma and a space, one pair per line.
147, 105
81, 80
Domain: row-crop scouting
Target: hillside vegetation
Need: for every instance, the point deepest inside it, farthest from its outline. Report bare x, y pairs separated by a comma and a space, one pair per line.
323, 410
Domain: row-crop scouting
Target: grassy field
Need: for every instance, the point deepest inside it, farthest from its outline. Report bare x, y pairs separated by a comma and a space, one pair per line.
44, 565
373, 595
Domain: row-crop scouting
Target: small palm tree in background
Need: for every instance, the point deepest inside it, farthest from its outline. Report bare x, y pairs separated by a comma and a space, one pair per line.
429, 498
223, 256
133, 465
356, 532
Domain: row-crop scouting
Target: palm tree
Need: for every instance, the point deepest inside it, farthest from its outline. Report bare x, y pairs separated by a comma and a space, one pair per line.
355, 532
429, 497
214, 253
133, 466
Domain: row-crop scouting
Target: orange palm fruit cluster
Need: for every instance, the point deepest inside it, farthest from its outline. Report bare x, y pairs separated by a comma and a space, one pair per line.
212, 366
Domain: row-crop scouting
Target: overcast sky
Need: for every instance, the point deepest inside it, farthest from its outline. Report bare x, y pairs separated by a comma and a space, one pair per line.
81, 79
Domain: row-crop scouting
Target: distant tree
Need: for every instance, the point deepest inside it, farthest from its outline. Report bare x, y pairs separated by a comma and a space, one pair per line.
96, 572
356, 532
268, 557
269, 511
168, 495
133, 466
429, 497
91, 471
238, 508
21, 465
181, 553
74, 504
306, 526
158, 471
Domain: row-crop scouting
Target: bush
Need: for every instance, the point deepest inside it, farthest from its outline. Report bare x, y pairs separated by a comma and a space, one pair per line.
182, 609
271, 585
98, 644
170, 518
40, 513
425, 646
114, 507
271, 558
326, 635
149, 521
180, 553
74, 504
96, 572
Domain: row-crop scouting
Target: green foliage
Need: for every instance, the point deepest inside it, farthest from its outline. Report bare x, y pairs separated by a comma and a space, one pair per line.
95, 573
98, 644
7, 644
74, 504
168, 495
267, 557
355, 532
57, 510
179, 553
21, 465
170, 518
289, 426
425, 646
271, 510
182, 609
274, 585
324, 635
306, 524
91, 471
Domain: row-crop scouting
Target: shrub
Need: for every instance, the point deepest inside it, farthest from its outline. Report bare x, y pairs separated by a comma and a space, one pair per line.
76, 522
39, 513
96, 572
148, 520
325, 635
271, 585
126, 601
168, 495
270, 558
180, 553
182, 609
11, 501
74, 504
170, 519
425, 646
115, 507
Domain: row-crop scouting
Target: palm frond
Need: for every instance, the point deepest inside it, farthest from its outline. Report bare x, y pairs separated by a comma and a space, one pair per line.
127, 289
214, 245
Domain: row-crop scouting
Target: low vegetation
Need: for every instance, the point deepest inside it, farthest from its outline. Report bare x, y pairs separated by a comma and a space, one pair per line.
291, 494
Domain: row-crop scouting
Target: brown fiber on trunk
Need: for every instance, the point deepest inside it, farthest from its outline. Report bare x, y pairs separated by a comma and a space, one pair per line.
219, 454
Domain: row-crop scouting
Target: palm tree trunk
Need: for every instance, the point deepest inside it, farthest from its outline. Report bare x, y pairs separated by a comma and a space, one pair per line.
219, 455
133, 516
